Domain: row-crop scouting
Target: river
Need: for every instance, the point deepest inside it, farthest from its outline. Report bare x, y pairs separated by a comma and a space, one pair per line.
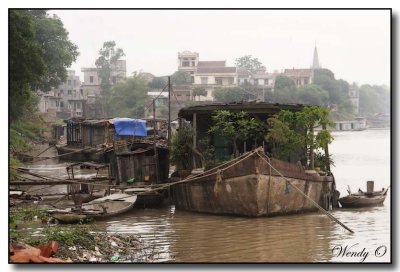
180, 236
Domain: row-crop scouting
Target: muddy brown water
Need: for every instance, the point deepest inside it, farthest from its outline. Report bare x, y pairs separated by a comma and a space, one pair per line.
180, 236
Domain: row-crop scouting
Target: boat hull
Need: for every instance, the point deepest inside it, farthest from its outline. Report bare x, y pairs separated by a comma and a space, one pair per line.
251, 188
361, 201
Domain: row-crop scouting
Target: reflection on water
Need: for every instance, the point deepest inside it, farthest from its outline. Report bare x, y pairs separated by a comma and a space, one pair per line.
193, 237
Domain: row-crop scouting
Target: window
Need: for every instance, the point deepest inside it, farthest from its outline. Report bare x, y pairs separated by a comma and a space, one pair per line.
185, 63
78, 105
69, 92
57, 103
230, 80
266, 81
91, 79
81, 91
192, 79
204, 80
69, 82
218, 80
256, 82
62, 104
74, 82
193, 63
306, 81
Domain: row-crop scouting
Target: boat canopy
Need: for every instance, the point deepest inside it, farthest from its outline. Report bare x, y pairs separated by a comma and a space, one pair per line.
129, 127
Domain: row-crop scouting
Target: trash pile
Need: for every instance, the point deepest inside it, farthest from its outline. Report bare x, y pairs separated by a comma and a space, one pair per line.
108, 248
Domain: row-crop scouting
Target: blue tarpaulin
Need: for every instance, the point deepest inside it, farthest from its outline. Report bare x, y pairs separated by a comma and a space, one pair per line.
130, 127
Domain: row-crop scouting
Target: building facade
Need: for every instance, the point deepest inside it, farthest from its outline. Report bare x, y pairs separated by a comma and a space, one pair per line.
67, 100
209, 75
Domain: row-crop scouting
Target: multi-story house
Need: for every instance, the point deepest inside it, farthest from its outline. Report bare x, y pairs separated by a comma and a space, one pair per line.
209, 75
67, 100
91, 85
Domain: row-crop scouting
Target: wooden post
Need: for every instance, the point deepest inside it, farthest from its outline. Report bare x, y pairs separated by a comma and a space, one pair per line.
328, 165
154, 140
110, 180
312, 147
194, 138
169, 112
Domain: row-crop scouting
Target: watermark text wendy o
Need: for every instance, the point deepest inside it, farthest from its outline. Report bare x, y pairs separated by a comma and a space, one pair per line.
359, 254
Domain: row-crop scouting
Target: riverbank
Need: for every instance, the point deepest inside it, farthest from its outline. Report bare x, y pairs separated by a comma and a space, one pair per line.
30, 226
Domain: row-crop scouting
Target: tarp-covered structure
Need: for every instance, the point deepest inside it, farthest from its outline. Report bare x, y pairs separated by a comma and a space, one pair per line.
129, 127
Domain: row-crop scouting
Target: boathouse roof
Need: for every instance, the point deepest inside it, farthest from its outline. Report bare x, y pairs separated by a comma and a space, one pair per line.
249, 107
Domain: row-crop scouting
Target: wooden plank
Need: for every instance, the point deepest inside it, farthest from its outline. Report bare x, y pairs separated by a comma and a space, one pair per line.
55, 182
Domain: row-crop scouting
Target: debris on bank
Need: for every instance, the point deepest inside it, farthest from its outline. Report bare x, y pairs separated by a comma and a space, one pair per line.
64, 244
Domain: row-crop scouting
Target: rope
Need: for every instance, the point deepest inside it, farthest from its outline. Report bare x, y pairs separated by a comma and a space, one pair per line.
200, 175
306, 196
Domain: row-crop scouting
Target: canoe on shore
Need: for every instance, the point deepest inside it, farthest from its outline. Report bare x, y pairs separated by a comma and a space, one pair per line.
359, 200
107, 206
249, 186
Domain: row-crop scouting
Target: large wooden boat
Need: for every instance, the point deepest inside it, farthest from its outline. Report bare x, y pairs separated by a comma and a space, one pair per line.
249, 186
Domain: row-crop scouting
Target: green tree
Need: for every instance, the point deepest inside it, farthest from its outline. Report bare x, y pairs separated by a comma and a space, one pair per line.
338, 90
40, 52
198, 91
284, 96
284, 83
128, 98
235, 127
290, 132
181, 78
181, 148
25, 61
229, 95
313, 95
157, 83
249, 63
107, 60
58, 51
374, 100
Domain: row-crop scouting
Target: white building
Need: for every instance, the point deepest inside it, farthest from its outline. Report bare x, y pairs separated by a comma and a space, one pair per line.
209, 75
91, 80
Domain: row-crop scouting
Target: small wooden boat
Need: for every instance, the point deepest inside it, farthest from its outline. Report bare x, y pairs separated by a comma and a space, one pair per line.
107, 206
364, 199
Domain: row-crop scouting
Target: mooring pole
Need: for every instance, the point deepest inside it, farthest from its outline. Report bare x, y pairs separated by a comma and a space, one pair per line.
154, 140
169, 112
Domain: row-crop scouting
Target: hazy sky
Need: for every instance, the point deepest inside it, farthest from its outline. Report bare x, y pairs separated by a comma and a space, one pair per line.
355, 45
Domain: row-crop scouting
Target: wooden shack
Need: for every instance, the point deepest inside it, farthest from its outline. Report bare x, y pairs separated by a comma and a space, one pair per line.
74, 135
96, 132
139, 164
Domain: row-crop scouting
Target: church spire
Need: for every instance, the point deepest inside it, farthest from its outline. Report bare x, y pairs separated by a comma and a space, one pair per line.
315, 63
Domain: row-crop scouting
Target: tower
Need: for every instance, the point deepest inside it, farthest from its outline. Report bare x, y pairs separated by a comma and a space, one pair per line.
315, 63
